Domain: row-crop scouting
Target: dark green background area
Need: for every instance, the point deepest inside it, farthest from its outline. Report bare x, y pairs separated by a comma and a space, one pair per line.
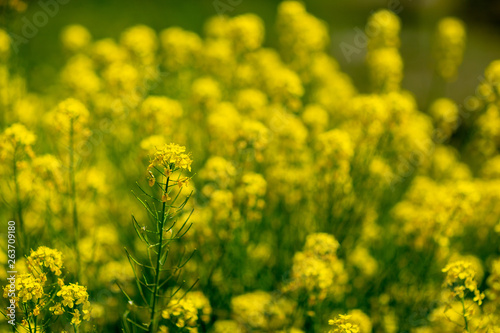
42, 57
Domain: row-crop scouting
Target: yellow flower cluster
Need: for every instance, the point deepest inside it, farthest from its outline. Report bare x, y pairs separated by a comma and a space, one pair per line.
458, 312
364, 262
4, 45
79, 76
460, 278
16, 138
493, 282
75, 38
183, 313
317, 269
45, 257
445, 115
259, 310
221, 202
484, 143
70, 116
301, 35
383, 59
202, 303
386, 69
18, 134
72, 110
361, 319
246, 33
449, 47
251, 195
335, 151
217, 172
383, 29
181, 46
227, 326
423, 215
343, 324
35, 295
490, 89
141, 42
116, 272
29, 288
160, 111
49, 169
67, 300
172, 157
226, 124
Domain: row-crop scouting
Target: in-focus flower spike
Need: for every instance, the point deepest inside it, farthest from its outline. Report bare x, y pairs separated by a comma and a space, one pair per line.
172, 157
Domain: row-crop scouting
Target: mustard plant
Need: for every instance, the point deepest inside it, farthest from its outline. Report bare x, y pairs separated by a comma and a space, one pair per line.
45, 302
164, 206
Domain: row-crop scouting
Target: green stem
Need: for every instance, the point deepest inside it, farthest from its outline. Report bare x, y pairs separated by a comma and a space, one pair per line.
26, 314
23, 239
48, 222
158, 268
465, 317
73, 198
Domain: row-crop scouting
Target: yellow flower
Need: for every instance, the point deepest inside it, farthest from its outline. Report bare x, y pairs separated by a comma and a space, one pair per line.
300, 34
205, 91
343, 324
317, 269
183, 182
4, 45
122, 78
80, 76
165, 197
386, 69
247, 32
75, 38
29, 288
151, 178
227, 326
361, 319
260, 311
76, 318
181, 48
163, 329
18, 134
160, 111
45, 257
449, 47
70, 112
445, 114
150, 143
383, 30
72, 109
200, 302
172, 157
57, 309
72, 296
182, 312
219, 171
140, 40
460, 277
106, 51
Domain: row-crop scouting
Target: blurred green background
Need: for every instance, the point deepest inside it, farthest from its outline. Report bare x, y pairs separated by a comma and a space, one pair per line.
42, 56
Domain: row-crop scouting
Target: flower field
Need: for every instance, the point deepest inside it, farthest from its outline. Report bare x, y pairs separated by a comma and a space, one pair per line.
169, 181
